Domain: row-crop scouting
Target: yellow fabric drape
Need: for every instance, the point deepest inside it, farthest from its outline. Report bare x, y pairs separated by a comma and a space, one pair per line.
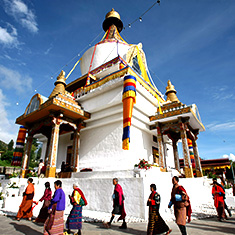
142, 68
145, 75
73, 67
104, 35
121, 37
76, 196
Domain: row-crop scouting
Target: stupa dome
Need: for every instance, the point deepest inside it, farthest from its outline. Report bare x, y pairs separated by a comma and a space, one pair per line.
105, 50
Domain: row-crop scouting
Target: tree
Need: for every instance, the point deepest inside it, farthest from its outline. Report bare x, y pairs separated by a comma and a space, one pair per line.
3, 146
39, 153
10, 145
33, 156
7, 156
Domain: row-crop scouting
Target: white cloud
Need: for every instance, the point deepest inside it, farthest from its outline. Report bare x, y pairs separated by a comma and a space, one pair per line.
222, 93
48, 50
8, 36
11, 79
21, 12
8, 129
221, 127
231, 156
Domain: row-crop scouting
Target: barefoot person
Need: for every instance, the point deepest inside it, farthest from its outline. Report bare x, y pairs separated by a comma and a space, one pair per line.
156, 224
118, 205
74, 220
25, 210
182, 207
54, 224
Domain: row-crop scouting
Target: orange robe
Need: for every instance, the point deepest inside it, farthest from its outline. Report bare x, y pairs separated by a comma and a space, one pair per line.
219, 200
25, 210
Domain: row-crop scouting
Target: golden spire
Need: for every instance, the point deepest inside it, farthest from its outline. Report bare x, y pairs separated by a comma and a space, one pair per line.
60, 85
112, 18
171, 92
112, 13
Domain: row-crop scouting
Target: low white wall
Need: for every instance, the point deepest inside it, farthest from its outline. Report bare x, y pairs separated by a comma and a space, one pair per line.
98, 192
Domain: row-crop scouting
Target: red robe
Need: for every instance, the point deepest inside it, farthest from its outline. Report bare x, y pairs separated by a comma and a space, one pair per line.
218, 199
118, 189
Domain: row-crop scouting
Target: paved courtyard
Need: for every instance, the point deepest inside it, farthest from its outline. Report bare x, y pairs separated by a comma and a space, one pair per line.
196, 227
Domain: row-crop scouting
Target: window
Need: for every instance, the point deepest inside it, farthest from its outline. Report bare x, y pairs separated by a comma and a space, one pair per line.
34, 105
135, 65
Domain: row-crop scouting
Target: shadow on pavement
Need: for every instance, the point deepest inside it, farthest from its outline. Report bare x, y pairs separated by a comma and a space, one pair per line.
25, 229
116, 228
221, 227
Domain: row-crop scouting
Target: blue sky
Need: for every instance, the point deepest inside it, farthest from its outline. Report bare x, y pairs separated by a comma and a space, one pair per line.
192, 43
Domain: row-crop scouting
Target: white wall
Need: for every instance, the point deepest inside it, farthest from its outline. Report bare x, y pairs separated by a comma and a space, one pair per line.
104, 52
101, 140
98, 192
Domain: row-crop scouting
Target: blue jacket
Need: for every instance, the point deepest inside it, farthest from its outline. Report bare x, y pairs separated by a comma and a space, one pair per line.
59, 198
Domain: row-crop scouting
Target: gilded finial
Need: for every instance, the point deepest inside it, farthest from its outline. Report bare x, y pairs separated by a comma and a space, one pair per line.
60, 85
61, 77
112, 18
171, 92
112, 13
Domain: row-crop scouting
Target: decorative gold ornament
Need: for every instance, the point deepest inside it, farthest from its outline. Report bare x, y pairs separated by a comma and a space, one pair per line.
112, 13
171, 92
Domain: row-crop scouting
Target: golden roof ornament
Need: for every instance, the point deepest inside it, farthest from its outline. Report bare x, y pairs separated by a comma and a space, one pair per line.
112, 18
61, 78
171, 92
112, 13
60, 85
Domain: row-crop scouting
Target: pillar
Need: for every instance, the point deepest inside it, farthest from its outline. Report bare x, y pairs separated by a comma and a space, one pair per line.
47, 149
160, 147
187, 163
176, 155
197, 159
25, 160
76, 142
52, 154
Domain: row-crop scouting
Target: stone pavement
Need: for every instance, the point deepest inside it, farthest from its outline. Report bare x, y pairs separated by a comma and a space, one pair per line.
207, 226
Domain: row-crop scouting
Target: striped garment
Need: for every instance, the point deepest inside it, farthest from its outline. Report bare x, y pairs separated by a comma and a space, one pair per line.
54, 224
156, 224
74, 220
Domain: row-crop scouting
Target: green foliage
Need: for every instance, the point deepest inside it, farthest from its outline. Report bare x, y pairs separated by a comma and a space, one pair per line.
211, 175
1, 196
143, 164
3, 146
7, 156
39, 152
10, 145
14, 175
227, 186
33, 155
13, 185
31, 174
5, 163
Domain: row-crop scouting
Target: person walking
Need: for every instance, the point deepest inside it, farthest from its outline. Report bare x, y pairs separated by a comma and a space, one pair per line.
225, 205
218, 196
54, 224
74, 220
43, 214
118, 205
182, 206
156, 225
25, 210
